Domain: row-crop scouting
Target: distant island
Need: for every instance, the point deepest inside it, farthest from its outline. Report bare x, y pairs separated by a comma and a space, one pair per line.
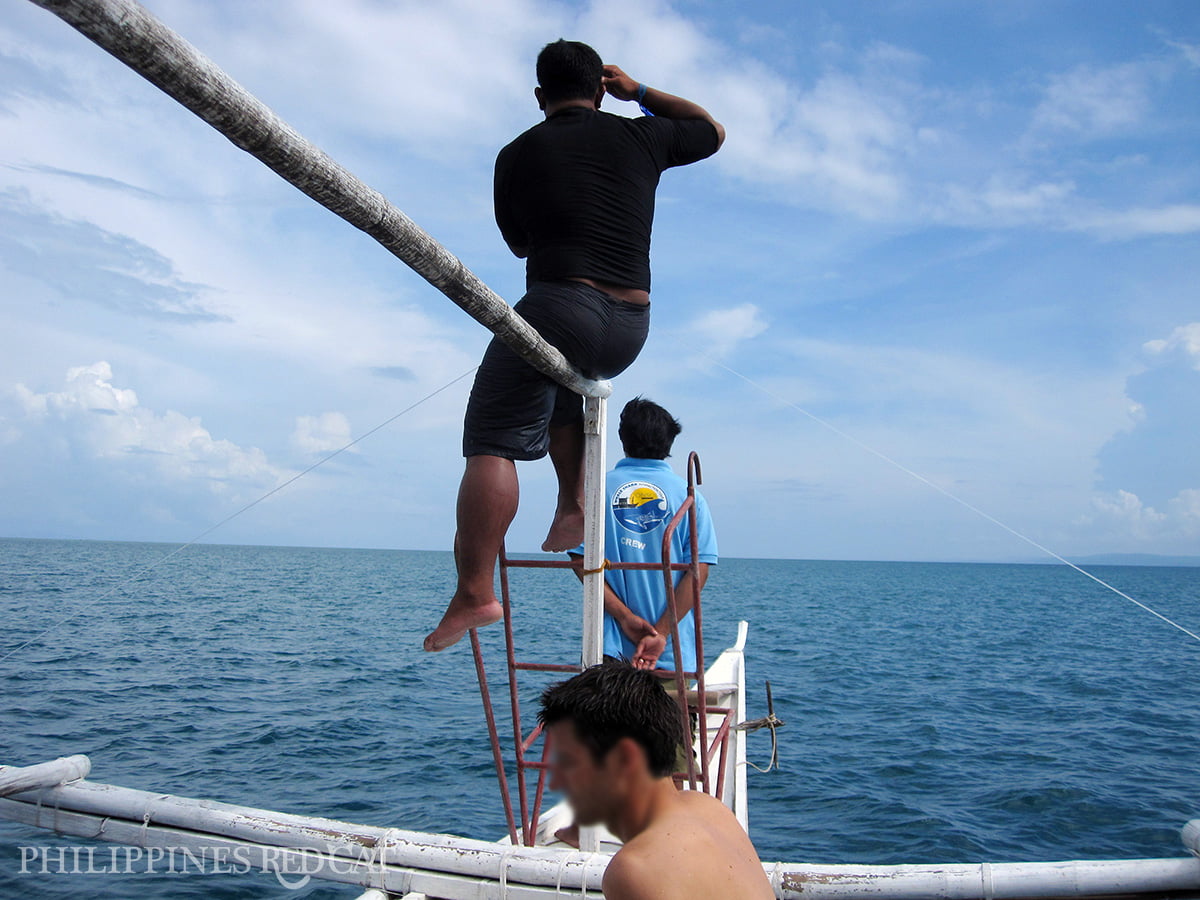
1125, 559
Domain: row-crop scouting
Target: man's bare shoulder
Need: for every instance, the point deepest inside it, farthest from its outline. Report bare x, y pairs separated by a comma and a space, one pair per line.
633, 876
696, 851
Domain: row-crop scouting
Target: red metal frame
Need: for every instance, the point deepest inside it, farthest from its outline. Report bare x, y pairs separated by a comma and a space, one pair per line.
522, 745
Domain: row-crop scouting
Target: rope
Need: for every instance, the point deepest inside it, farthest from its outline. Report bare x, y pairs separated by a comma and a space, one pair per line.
381, 847
959, 500
562, 864
604, 565
504, 857
587, 865
777, 878
145, 570
773, 722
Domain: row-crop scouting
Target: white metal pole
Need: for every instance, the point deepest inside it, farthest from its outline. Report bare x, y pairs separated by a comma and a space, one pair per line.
595, 416
594, 426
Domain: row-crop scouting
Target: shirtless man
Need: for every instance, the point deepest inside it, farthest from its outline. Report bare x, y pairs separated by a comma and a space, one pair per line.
614, 732
574, 197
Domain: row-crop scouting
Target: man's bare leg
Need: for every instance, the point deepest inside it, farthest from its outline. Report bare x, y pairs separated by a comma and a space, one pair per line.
566, 452
487, 502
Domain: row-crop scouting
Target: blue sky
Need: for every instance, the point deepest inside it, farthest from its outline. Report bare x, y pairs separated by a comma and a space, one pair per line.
963, 234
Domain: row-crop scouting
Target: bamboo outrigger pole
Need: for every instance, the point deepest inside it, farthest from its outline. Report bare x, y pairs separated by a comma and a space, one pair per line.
130, 33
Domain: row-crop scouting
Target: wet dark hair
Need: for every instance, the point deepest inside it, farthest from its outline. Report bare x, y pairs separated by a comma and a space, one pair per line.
569, 70
647, 431
612, 701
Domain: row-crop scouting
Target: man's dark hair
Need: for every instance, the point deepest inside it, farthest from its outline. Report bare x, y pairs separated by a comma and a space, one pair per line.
569, 70
612, 701
647, 431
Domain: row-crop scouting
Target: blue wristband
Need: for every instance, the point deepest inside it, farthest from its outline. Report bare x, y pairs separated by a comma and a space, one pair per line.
641, 95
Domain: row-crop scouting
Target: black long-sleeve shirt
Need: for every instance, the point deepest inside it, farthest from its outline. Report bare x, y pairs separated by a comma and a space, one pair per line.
575, 193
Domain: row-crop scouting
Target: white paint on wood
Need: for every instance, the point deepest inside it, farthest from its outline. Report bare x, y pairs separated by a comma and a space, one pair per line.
294, 867
43, 775
1191, 836
453, 868
51, 807
977, 881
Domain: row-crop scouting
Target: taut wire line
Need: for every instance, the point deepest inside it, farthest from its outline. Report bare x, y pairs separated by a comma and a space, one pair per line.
952, 496
229, 518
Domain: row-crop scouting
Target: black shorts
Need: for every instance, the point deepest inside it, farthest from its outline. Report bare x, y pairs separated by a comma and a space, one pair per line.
512, 404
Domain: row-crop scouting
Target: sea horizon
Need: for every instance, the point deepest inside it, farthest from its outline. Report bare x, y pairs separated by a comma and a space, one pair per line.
1094, 559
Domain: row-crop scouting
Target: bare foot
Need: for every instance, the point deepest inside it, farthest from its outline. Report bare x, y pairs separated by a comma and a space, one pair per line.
569, 835
460, 618
566, 532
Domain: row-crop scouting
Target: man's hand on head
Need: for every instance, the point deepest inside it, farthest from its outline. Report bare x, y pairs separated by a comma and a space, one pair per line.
618, 84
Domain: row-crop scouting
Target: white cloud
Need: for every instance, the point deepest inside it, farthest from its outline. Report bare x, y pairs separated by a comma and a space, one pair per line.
1095, 101
718, 331
1189, 52
839, 142
321, 434
844, 143
451, 79
439, 78
1185, 338
102, 421
1125, 517
1004, 199
1180, 218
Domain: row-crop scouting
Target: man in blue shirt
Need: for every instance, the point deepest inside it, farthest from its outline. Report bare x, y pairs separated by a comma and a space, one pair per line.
644, 494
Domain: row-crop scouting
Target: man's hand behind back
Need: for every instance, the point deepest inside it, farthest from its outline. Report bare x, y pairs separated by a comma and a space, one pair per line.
649, 643
649, 649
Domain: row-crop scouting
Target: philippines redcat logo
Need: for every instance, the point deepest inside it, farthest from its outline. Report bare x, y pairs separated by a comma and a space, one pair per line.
639, 506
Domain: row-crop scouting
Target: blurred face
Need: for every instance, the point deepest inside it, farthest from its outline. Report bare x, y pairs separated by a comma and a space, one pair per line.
574, 772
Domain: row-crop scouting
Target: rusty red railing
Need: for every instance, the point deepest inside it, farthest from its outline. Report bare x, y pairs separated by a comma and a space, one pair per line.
530, 812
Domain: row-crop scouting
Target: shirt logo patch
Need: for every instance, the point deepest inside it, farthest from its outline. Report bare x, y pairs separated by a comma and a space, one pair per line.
639, 506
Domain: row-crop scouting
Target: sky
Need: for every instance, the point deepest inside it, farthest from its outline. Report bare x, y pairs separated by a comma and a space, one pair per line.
955, 240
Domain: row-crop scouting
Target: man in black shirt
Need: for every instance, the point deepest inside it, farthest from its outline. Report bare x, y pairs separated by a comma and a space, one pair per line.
574, 196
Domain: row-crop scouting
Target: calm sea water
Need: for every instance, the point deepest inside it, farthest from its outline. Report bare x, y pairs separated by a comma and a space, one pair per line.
935, 712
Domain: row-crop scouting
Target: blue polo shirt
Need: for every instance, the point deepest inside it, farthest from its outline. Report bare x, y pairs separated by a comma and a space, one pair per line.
643, 496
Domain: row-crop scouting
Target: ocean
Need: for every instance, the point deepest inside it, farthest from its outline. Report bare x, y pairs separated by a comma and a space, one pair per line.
935, 712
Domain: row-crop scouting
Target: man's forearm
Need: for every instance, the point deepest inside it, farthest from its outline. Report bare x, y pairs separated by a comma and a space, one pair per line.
623, 87
671, 107
614, 606
685, 599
